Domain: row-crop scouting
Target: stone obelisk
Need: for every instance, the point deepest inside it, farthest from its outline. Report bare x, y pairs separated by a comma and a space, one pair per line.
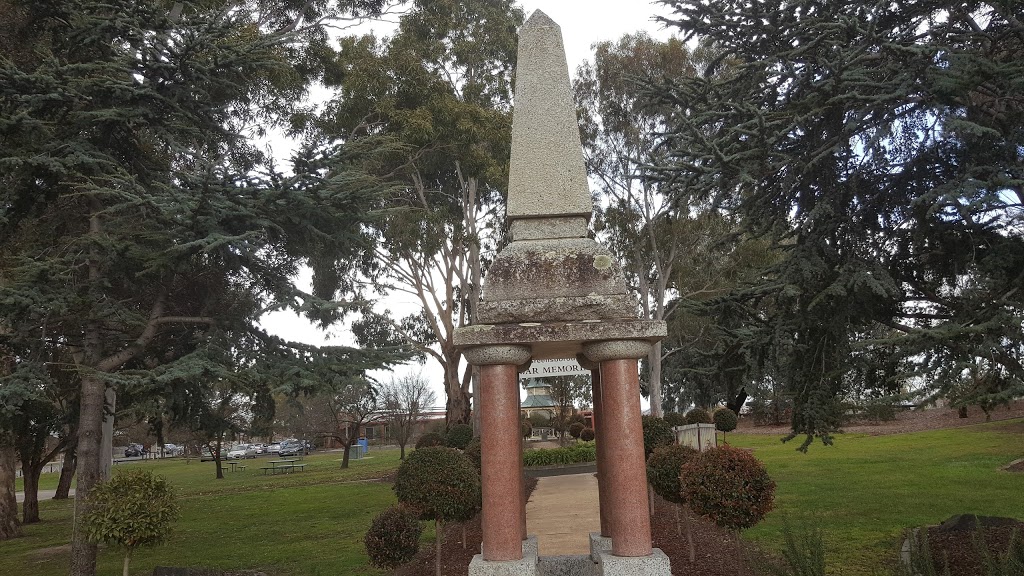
554, 292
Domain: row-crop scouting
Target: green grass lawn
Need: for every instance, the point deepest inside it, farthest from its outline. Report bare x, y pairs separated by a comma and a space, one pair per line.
866, 490
304, 523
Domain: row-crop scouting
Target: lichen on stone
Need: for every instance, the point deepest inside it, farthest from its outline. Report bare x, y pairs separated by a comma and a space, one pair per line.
602, 262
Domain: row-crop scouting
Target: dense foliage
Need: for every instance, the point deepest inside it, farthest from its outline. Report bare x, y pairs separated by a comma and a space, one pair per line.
134, 508
575, 454
663, 469
657, 433
429, 440
576, 428
879, 149
587, 435
472, 451
674, 419
729, 486
458, 436
725, 420
440, 483
698, 416
394, 537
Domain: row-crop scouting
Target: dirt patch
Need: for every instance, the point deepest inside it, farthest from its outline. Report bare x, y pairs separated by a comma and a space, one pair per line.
1015, 466
52, 553
962, 542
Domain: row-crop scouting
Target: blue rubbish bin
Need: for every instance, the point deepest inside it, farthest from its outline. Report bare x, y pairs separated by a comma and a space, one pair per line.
362, 447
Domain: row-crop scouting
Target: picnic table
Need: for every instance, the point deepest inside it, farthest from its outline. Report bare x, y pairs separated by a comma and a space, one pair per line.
233, 464
283, 466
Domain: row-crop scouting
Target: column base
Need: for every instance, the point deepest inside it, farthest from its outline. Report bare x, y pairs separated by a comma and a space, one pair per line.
656, 564
525, 567
599, 544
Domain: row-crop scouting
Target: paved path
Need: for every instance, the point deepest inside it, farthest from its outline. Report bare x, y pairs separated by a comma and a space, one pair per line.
562, 512
43, 495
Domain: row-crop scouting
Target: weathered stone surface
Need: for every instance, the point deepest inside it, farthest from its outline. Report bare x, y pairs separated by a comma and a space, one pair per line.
657, 564
599, 544
498, 354
565, 267
562, 309
546, 228
616, 350
546, 173
568, 565
525, 567
550, 340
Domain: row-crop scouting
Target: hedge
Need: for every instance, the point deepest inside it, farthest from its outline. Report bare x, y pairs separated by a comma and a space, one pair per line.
579, 453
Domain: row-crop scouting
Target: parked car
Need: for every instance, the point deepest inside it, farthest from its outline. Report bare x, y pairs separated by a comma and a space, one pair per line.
134, 450
207, 456
173, 450
242, 451
290, 449
274, 448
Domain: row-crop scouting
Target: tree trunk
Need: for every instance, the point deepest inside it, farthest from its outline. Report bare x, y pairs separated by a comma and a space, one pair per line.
457, 409
689, 536
401, 451
654, 386
348, 447
9, 527
67, 472
90, 430
437, 547
127, 560
107, 442
30, 506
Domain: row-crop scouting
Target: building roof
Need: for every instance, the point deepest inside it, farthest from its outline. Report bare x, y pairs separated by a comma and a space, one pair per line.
538, 401
536, 383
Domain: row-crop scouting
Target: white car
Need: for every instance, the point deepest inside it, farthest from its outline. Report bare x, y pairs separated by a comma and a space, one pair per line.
242, 451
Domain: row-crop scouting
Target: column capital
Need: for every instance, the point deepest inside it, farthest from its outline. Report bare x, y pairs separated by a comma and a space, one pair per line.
586, 363
514, 354
616, 350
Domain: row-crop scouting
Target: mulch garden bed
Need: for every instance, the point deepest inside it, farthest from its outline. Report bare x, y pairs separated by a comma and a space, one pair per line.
716, 549
960, 540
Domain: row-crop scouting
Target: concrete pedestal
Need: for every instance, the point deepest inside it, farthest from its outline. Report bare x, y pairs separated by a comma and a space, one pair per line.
525, 566
654, 564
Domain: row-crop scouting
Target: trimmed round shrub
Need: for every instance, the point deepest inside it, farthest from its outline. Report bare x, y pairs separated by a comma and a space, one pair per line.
575, 429
134, 508
657, 432
729, 486
577, 418
663, 470
587, 435
472, 451
698, 416
394, 537
459, 436
430, 439
440, 482
526, 429
674, 419
725, 420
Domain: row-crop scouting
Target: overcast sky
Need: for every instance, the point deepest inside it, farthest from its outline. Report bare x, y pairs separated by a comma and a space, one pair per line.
583, 23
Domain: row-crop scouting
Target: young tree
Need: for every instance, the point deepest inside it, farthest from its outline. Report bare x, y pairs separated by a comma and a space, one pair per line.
132, 509
569, 393
405, 400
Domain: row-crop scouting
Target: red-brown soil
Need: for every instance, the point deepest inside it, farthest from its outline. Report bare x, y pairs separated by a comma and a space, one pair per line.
961, 546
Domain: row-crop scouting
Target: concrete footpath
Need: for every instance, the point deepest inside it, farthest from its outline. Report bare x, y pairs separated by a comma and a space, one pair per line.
562, 512
43, 495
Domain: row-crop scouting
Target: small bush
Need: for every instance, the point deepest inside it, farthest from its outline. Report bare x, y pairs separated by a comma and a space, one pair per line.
577, 418
132, 509
698, 416
472, 451
674, 419
584, 452
430, 440
657, 432
458, 436
441, 483
729, 486
725, 420
526, 429
663, 470
587, 435
394, 537
575, 429
880, 409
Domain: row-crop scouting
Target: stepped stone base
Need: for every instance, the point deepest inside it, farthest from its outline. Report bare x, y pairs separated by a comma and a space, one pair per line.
527, 566
576, 565
656, 564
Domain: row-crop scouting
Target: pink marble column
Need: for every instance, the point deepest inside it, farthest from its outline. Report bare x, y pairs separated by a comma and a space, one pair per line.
625, 473
522, 483
502, 516
602, 460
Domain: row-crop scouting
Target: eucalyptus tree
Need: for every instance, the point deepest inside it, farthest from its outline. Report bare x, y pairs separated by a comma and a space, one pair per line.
879, 147
440, 90
139, 226
647, 226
